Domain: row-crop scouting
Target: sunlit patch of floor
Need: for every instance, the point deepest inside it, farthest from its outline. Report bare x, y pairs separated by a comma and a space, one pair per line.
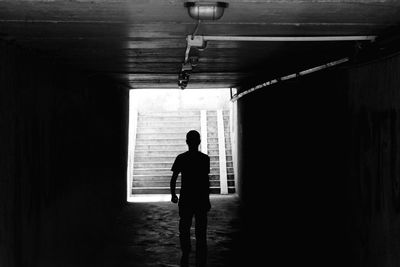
148, 198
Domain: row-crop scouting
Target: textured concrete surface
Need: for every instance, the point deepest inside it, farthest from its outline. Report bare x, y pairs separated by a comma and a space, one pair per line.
63, 147
146, 234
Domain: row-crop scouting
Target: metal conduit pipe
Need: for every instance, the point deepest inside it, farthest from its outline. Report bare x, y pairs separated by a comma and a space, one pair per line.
288, 77
288, 38
200, 42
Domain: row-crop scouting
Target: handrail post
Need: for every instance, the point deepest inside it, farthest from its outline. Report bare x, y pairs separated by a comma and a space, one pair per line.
223, 177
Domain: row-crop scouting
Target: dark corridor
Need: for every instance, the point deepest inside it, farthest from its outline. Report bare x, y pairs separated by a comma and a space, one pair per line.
318, 156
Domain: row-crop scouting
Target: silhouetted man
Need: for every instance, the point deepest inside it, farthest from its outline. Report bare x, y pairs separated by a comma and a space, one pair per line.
194, 199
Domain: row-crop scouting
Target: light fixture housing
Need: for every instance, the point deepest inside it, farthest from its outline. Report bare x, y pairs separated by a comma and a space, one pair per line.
206, 10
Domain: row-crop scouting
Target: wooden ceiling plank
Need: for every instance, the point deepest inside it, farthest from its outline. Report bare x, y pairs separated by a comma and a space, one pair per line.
117, 32
147, 11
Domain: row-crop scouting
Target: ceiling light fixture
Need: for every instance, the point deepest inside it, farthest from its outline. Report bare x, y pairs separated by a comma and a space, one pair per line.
206, 10
198, 11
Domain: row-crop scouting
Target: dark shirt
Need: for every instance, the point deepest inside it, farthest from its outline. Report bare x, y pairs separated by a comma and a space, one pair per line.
194, 167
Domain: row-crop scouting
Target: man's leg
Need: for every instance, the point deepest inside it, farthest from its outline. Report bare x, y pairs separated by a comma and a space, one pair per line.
185, 222
201, 238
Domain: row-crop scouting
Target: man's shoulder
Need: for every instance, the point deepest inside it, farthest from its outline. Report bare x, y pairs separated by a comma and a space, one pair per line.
190, 154
186, 153
181, 155
204, 155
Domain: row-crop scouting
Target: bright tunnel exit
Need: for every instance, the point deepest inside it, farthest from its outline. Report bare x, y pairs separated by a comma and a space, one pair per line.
158, 122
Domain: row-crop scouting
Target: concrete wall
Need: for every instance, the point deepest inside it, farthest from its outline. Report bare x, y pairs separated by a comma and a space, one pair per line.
62, 161
374, 162
319, 168
290, 169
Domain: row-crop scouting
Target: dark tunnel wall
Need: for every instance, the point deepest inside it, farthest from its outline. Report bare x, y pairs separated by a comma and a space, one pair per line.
63, 160
319, 162
291, 142
374, 173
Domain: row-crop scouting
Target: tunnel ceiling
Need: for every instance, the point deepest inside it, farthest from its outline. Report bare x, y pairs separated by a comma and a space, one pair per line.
143, 42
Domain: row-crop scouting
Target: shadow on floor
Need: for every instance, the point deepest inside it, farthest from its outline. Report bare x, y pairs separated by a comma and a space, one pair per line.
146, 234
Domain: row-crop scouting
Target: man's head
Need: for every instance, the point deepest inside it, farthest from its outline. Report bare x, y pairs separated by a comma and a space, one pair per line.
193, 139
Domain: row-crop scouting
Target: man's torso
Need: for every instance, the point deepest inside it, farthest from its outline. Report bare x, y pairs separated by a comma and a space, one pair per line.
194, 167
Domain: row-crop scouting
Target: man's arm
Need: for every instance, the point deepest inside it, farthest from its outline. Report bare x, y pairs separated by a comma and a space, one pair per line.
172, 186
209, 189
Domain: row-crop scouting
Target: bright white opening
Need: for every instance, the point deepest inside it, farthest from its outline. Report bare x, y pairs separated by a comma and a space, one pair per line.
144, 198
164, 100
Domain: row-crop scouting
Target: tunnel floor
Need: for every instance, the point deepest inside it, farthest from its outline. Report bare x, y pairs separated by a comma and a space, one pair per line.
146, 234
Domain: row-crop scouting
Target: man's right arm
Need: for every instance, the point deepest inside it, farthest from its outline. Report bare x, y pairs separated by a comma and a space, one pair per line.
172, 185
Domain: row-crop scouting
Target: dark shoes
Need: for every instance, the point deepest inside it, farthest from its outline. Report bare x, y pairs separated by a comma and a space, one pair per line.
184, 261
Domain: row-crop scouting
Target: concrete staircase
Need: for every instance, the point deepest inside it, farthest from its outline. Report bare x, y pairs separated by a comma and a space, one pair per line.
160, 137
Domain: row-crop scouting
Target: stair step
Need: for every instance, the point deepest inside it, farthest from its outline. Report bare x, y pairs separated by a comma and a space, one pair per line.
171, 113
161, 147
212, 127
161, 141
164, 159
160, 177
165, 190
167, 129
153, 184
215, 135
152, 165
168, 118
216, 152
167, 170
158, 153
180, 123
153, 190
155, 159
156, 183
161, 171
212, 146
151, 153
213, 164
158, 136
213, 140
167, 177
215, 118
229, 164
168, 153
230, 177
141, 171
